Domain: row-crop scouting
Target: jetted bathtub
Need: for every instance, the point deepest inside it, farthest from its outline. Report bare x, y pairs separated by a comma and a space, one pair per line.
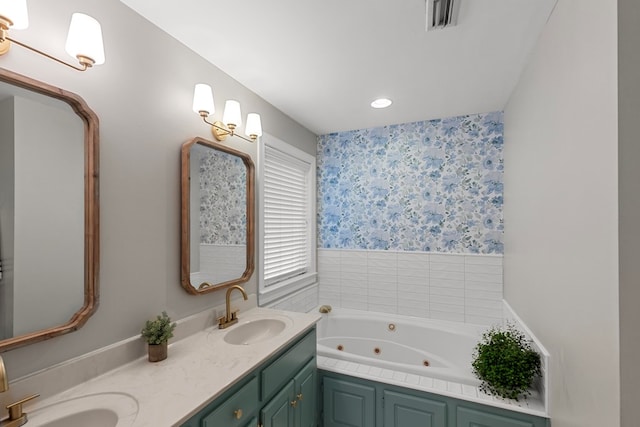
426, 347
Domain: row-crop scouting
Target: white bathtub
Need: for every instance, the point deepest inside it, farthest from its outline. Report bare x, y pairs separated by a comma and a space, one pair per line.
398, 343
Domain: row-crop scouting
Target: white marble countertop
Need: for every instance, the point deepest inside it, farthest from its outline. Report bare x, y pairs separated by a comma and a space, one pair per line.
199, 369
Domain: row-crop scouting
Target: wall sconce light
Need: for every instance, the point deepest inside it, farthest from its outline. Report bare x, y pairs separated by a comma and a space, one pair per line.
84, 41
231, 118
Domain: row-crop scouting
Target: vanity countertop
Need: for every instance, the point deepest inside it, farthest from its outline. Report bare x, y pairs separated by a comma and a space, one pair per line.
199, 369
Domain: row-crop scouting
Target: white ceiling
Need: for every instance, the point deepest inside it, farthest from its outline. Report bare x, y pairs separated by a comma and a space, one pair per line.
323, 62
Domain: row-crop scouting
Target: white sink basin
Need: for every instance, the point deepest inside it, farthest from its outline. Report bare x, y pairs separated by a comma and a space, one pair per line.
255, 331
95, 410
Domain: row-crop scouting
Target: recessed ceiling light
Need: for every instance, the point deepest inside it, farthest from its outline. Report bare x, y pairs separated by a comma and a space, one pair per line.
381, 103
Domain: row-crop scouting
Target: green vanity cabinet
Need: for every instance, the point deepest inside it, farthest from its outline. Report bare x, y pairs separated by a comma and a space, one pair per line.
279, 412
356, 402
403, 410
348, 404
282, 392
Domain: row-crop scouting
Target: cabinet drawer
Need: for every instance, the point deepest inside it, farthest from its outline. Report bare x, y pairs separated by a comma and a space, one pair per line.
227, 415
282, 369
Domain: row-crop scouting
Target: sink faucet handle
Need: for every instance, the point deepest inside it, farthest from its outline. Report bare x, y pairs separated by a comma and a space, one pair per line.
234, 314
15, 408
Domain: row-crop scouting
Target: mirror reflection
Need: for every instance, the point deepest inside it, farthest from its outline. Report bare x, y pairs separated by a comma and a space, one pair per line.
218, 221
48, 269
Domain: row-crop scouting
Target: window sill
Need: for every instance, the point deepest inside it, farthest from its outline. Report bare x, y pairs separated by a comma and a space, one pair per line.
286, 287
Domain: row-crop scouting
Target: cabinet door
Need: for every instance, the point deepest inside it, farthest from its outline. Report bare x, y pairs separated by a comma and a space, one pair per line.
472, 418
348, 404
236, 409
403, 410
279, 412
305, 389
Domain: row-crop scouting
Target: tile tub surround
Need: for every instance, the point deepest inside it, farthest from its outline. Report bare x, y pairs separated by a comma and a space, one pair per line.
199, 368
454, 287
301, 301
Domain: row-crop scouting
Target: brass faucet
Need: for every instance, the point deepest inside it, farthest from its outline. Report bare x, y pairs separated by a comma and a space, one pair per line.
16, 416
232, 316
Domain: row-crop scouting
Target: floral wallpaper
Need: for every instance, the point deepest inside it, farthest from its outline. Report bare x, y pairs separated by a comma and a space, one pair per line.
223, 199
426, 186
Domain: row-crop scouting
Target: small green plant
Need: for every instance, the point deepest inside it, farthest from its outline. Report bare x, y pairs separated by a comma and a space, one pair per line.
158, 330
505, 362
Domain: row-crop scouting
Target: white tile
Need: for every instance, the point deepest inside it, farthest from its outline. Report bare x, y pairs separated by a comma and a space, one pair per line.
404, 304
414, 273
426, 382
399, 376
342, 364
353, 280
412, 379
349, 267
328, 265
483, 260
386, 373
489, 295
413, 288
483, 286
450, 292
443, 299
448, 258
381, 277
363, 369
454, 388
389, 256
383, 295
375, 371
352, 367
330, 287
329, 253
354, 286
439, 384
446, 275
443, 266
379, 308
482, 268
495, 305
444, 283
469, 390
484, 278
354, 304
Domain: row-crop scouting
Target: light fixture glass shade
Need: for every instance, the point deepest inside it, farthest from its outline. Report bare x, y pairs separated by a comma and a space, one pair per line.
232, 114
203, 99
16, 12
85, 38
254, 126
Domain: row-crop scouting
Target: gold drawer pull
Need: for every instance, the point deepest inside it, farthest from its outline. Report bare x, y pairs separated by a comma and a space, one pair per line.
294, 403
238, 413
300, 396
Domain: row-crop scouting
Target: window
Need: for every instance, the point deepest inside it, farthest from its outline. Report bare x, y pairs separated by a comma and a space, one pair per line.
287, 218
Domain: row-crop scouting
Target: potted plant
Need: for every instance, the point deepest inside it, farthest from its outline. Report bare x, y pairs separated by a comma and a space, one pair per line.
157, 333
505, 362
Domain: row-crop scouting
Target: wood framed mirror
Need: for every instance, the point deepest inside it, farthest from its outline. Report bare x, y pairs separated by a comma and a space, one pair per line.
49, 217
217, 210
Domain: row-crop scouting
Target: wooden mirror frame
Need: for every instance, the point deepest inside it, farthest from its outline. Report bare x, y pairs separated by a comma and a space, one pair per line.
91, 209
185, 231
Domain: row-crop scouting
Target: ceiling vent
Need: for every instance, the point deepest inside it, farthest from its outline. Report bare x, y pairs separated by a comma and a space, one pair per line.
442, 14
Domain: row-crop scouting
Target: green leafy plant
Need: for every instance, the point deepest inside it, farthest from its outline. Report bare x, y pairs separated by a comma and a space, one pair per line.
158, 330
505, 362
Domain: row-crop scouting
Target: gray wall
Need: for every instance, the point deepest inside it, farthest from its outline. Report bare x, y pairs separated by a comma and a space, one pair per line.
142, 95
6, 215
561, 209
629, 198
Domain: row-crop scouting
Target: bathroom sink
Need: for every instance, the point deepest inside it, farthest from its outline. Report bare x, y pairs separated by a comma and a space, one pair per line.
95, 410
255, 331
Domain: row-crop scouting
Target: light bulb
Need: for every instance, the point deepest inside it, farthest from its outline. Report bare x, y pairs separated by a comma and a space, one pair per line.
203, 99
232, 117
16, 12
254, 126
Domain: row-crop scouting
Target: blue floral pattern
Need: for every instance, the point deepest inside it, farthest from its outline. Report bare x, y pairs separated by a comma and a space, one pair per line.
435, 185
223, 199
